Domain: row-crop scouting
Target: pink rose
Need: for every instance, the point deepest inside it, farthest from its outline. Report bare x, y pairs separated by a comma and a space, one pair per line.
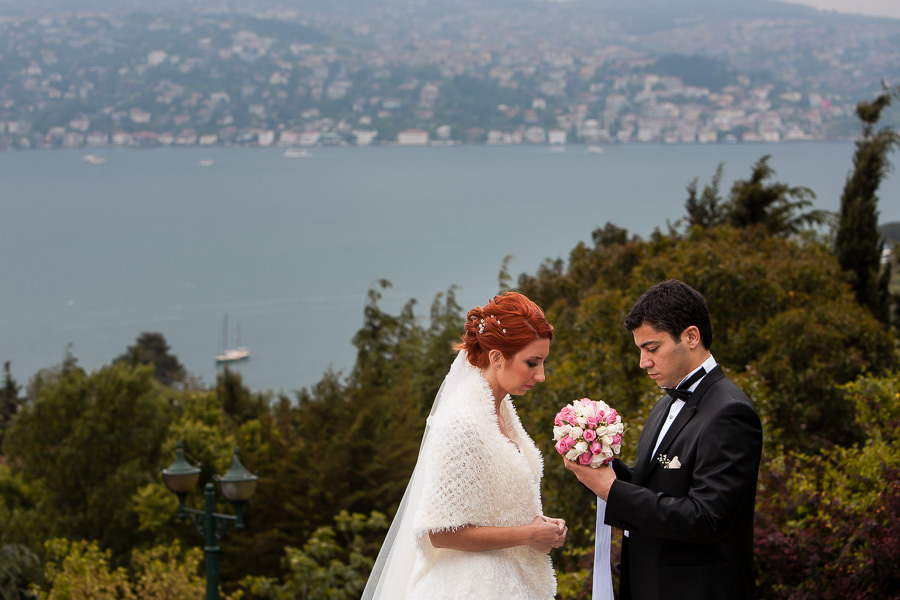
561, 446
568, 415
596, 447
617, 439
585, 459
594, 421
611, 418
589, 435
565, 444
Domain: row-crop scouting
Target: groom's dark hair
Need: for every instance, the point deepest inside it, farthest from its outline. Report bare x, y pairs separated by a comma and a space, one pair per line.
672, 306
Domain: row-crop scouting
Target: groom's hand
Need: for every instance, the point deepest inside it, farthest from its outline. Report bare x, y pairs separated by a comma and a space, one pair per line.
598, 480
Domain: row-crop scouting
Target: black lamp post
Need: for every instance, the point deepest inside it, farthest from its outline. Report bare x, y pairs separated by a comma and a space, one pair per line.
237, 485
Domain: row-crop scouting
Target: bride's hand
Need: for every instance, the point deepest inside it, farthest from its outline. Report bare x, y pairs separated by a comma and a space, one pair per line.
563, 530
547, 533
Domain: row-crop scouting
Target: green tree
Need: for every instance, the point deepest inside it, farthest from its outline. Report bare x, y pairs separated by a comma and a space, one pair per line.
238, 402
166, 572
828, 525
81, 569
858, 243
19, 566
775, 207
706, 209
89, 441
333, 564
151, 348
10, 403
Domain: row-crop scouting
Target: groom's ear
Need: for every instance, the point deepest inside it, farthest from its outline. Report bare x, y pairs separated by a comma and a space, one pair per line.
691, 336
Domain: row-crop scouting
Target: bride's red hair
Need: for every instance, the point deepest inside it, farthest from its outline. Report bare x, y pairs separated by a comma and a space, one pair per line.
508, 323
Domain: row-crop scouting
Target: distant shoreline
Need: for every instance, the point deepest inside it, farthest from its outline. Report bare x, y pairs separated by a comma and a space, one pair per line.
433, 144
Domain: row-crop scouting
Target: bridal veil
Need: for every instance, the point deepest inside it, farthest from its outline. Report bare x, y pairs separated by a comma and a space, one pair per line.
393, 567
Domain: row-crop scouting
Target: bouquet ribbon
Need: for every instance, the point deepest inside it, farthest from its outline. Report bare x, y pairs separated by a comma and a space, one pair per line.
603, 589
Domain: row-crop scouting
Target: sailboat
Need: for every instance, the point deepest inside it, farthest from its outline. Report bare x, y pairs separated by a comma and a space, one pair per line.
232, 354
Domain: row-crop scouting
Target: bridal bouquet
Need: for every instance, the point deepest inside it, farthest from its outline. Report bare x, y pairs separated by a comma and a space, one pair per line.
588, 432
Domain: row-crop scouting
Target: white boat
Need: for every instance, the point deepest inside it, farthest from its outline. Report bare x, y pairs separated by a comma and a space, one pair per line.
296, 153
94, 159
206, 162
595, 149
235, 354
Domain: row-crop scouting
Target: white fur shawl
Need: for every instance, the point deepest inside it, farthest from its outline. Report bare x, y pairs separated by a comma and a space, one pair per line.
474, 475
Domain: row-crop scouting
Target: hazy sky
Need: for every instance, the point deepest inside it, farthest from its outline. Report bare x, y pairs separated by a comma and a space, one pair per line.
874, 8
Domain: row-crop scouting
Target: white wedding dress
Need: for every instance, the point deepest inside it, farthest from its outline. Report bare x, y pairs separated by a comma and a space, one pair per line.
468, 473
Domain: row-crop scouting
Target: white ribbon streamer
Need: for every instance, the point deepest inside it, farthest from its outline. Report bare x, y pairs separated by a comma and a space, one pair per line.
603, 588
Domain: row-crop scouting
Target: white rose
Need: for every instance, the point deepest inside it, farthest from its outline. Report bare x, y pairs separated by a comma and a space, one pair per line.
576, 432
574, 453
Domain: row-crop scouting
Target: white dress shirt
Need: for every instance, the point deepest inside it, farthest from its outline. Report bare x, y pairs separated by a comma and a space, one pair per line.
708, 364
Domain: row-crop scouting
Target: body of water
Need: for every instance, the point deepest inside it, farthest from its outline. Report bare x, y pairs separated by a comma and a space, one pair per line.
170, 240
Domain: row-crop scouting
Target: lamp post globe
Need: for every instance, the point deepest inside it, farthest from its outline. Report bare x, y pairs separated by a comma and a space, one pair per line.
181, 476
238, 484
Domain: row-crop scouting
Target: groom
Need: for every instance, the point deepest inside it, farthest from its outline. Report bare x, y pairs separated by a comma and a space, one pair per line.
687, 504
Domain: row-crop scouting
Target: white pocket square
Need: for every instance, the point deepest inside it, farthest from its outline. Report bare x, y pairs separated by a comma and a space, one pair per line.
669, 463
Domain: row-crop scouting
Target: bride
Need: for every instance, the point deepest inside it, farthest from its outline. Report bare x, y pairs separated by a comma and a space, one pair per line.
470, 523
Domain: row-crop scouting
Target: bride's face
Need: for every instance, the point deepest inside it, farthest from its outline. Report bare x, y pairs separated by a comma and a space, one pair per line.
524, 370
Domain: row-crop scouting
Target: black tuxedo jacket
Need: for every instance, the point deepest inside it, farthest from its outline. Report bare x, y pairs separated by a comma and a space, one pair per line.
690, 530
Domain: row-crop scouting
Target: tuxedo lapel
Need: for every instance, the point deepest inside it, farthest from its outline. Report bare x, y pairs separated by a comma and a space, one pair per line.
648, 440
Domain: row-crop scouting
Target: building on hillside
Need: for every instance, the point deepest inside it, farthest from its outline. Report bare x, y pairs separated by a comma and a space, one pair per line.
364, 137
412, 137
556, 136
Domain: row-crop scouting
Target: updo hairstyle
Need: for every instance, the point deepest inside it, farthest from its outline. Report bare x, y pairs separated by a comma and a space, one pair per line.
508, 323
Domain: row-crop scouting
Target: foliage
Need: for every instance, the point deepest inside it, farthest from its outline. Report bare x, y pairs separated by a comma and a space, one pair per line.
88, 441
10, 402
80, 569
162, 572
858, 243
695, 70
18, 567
828, 525
333, 564
77, 570
775, 207
708, 209
151, 348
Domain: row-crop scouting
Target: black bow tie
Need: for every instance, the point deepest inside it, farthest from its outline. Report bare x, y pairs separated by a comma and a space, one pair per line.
682, 392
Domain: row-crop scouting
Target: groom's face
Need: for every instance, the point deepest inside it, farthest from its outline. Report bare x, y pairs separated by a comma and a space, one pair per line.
666, 361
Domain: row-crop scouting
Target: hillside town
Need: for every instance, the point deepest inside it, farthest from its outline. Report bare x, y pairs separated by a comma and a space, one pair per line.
545, 75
